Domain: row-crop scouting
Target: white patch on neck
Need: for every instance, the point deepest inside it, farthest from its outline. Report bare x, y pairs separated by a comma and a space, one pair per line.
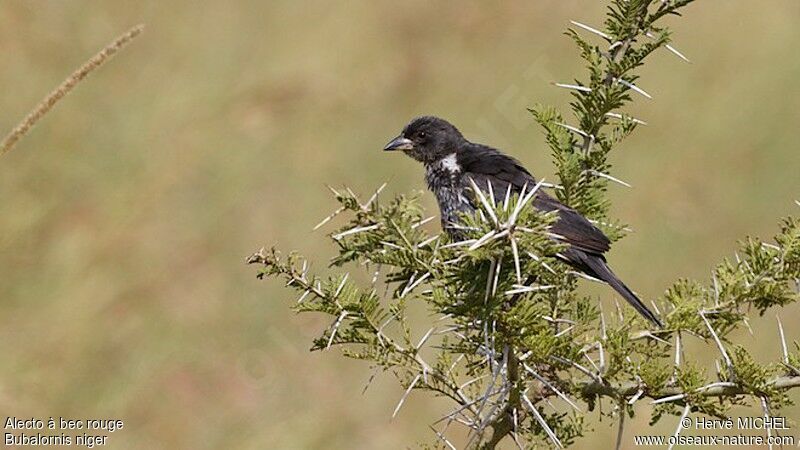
450, 163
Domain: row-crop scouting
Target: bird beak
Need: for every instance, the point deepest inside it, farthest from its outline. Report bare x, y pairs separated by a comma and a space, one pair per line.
399, 143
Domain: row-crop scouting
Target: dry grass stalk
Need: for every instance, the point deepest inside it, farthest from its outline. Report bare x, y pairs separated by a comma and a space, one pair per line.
65, 87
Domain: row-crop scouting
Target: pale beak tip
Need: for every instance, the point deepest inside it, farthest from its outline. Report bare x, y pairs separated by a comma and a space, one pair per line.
399, 143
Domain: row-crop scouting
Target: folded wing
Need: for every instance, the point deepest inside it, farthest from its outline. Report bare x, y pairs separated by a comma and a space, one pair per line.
486, 165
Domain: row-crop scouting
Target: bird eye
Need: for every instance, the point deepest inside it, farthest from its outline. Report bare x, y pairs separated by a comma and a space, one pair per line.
422, 134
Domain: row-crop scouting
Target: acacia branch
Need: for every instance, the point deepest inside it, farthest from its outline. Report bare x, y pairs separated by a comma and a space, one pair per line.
592, 388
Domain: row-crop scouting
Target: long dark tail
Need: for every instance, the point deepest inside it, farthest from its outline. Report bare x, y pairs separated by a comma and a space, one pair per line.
603, 272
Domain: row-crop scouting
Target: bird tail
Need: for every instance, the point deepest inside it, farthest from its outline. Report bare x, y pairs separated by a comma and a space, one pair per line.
603, 272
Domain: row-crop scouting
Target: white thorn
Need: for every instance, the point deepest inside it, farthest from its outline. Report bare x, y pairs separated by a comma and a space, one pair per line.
783, 341
565, 331
425, 338
422, 222
677, 53
608, 177
355, 230
602, 368
490, 190
668, 399
620, 116
521, 201
573, 129
636, 396
489, 284
655, 307
336, 328
542, 422
403, 399
341, 285
497, 275
427, 241
443, 439
684, 415
765, 407
335, 192
671, 398
458, 243
590, 29
670, 48
508, 197
303, 297
633, 87
374, 196
519, 289
392, 245
515, 252
603, 322
719, 345
483, 200
328, 219
551, 387
483, 239
573, 86
553, 186
413, 284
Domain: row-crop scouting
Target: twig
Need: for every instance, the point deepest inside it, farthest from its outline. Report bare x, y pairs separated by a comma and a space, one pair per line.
615, 390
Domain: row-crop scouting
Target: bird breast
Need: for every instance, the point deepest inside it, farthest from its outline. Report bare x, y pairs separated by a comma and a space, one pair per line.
445, 180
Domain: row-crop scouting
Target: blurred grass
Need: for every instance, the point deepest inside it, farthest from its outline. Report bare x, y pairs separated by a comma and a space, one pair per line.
126, 215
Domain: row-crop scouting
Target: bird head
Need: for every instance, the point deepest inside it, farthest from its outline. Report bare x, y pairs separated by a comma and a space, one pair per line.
427, 139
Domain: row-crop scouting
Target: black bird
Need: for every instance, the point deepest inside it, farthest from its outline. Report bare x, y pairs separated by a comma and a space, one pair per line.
451, 160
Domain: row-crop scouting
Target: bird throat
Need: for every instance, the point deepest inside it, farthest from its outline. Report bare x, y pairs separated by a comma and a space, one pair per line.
445, 179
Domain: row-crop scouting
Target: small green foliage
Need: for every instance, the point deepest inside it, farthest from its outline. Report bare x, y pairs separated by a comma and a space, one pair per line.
793, 361
691, 380
580, 152
655, 372
687, 297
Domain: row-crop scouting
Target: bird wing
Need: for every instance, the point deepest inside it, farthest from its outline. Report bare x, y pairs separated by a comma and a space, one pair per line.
486, 165
573, 227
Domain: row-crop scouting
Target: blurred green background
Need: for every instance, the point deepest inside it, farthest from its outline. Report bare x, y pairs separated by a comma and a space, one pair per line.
126, 216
